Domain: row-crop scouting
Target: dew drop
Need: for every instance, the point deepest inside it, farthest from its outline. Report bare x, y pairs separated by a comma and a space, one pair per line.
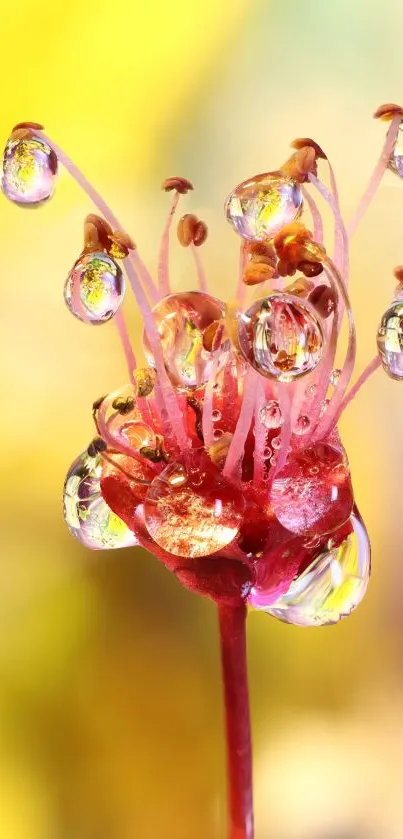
192, 518
259, 207
390, 340
100, 288
302, 425
29, 169
335, 376
87, 515
396, 158
270, 415
332, 584
181, 320
276, 442
281, 337
216, 415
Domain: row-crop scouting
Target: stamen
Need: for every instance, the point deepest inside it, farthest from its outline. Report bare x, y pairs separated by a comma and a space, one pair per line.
199, 267
260, 438
163, 261
316, 216
376, 176
236, 449
370, 369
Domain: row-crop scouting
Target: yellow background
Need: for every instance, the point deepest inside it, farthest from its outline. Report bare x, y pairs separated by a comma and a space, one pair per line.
110, 716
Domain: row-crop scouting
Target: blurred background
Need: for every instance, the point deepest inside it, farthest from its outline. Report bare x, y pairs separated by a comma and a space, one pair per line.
110, 702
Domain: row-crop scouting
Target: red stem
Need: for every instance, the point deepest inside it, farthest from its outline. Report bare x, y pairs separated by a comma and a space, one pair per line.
232, 620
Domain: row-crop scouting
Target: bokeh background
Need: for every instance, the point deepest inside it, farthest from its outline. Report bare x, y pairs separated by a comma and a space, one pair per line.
110, 714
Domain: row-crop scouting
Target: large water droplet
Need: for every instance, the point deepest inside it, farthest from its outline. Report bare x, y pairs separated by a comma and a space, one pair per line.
390, 340
29, 170
192, 513
333, 584
281, 337
313, 490
99, 285
87, 515
396, 159
259, 207
182, 319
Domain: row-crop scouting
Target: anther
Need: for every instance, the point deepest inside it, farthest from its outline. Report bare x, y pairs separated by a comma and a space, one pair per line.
123, 406
388, 112
181, 185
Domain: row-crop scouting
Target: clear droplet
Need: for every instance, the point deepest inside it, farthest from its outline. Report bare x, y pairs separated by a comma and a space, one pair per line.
181, 320
310, 391
29, 170
333, 584
313, 492
396, 159
87, 515
324, 406
281, 337
189, 517
216, 415
95, 288
217, 433
267, 452
302, 425
335, 376
276, 442
259, 207
390, 340
270, 415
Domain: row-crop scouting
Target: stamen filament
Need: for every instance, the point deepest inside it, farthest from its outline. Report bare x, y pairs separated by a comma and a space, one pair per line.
163, 261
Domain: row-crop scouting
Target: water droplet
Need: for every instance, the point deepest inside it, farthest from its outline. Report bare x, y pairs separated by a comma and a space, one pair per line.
302, 425
310, 494
216, 415
335, 376
396, 159
181, 320
276, 442
390, 340
259, 207
270, 415
282, 349
267, 452
87, 515
29, 169
100, 288
324, 406
332, 585
310, 391
189, 518
217, 433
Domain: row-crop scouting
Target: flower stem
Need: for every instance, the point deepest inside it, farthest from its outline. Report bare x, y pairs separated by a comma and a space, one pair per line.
232, 622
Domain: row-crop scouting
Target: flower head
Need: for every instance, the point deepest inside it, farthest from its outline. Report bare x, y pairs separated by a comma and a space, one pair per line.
221, 455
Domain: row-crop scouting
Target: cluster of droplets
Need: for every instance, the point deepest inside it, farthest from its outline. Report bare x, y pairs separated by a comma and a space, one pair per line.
222, 457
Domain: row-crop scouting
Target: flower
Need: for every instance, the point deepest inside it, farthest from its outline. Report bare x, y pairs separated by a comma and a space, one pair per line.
222, 455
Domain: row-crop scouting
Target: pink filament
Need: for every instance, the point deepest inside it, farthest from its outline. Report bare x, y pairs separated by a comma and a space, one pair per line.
120, 323
167, 390
236, 449
370, 369
340, 235
207, 419
241, 287
316, 216
163, 261
260, 438
328, 421
376, 176
199, 268
284, 398
136, 263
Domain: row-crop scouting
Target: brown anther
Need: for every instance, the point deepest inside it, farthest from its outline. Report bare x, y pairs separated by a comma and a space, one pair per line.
144, 381
294, 247
209, 335
194, 404
97, 233
35, 126
200, 233
181, 185
261, 249
300, 164
398, 273
388, 112
303, 142
258, 272
310, 269
97, 404
120, 244
323, 300
96, 446
186, 229
123, 406
300, 287
286, 269
157, 454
